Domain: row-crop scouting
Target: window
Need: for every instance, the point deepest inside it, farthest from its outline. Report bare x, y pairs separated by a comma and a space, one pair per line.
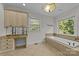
34, 25
66, 26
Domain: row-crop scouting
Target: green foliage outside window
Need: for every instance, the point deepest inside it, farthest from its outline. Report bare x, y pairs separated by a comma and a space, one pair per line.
67, 26
34, 25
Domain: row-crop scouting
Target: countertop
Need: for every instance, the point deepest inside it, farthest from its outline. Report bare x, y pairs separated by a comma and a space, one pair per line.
16, 36
13, 36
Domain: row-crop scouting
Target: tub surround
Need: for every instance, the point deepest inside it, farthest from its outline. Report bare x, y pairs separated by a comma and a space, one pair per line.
63, 48
69, 37
69, 40
67, 44
77, 38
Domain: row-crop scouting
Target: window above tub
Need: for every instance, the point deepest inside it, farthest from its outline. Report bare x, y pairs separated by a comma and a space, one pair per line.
66, 26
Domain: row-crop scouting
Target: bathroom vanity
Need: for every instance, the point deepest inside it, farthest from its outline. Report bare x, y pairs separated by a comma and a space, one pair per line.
19, 40
15, 23
6, 44
12, 42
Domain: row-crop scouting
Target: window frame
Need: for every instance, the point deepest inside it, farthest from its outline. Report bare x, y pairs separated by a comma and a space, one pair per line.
58, 30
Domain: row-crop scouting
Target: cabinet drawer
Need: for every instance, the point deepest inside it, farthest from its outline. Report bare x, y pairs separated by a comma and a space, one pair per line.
5, 47
3, 40
6, 43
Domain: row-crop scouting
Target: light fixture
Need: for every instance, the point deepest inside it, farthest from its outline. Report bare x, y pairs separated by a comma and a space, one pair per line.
24, 4
50, 7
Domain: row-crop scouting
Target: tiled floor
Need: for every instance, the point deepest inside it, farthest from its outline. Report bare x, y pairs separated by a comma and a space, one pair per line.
42, 49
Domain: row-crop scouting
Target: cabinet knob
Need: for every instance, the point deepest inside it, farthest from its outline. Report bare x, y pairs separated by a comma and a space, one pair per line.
6, 40
6, 47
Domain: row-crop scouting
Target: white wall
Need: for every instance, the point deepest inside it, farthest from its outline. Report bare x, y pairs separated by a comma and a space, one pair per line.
36, 37
2, 29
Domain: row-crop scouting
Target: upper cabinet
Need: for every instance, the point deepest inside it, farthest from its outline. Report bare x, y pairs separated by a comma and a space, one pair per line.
24, 17
9, 18
15, 19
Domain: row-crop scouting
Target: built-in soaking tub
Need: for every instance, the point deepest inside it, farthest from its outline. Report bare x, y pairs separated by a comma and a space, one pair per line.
69, 41
63, 45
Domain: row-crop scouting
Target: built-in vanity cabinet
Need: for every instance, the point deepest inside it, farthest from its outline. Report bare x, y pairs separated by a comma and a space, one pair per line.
6, 44
15, 18
12, 42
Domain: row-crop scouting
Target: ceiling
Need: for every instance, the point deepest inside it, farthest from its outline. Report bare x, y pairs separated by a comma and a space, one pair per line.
37, 8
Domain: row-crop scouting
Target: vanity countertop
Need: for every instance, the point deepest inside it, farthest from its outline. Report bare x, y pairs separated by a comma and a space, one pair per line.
13, 36
16, 36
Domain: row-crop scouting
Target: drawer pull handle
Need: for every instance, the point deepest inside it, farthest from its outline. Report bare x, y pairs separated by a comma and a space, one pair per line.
7, 40
6, 47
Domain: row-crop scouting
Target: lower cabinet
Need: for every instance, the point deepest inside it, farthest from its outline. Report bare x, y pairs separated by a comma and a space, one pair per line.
6, 44
62, 48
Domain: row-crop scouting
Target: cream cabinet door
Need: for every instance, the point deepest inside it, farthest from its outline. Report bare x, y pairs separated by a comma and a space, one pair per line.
14, 18
21, 19
18, 19
9, 18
